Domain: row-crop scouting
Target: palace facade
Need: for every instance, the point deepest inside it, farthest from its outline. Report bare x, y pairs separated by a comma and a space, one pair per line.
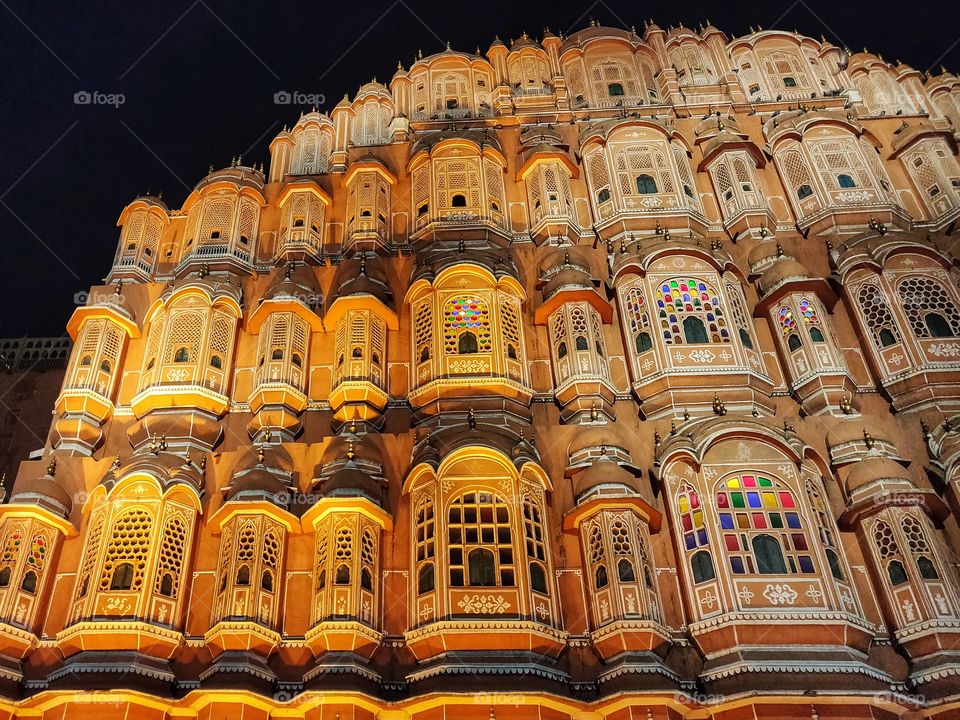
610, 376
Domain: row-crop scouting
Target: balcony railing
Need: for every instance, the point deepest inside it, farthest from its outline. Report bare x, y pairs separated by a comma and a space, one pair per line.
300, 238
208, 252
132, 262
459, 218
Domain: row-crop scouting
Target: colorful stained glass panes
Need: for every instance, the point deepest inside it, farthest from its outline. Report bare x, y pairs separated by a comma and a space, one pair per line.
466, 313
808, 312
687, 296
12, 547
753, 504
37, 552
691, 519
788, 324
635, 310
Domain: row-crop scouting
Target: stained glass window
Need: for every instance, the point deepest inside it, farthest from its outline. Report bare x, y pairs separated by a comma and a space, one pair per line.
691, 519
750, 505
809, 312
788, 323
686, 297
466, 314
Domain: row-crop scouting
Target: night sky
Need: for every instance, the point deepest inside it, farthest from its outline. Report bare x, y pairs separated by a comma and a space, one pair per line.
199, 77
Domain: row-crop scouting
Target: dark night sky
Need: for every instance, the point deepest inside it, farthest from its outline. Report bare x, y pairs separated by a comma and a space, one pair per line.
199, 78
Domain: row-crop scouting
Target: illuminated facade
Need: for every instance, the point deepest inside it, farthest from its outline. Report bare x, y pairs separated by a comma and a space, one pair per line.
608, 376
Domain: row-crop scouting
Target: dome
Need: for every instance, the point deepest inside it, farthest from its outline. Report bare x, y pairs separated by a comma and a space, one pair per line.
524, 42
611, 435
274, 458
361, 276
604, 474
350, 481
762, 254
782, 271
237, 175
45, 492
362, 447
852, 432
877, 470
569, 278
259, 484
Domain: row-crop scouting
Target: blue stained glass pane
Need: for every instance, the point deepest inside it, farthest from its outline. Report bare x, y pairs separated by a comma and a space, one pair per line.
754, 499
702, 537
806, 564
793, 520
736, 564
726, 521
690, 541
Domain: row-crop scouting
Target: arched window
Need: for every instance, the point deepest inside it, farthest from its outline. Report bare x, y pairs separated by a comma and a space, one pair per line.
836, 569
603, 196
29, 583
691, 518
166, 585
122, 578
694, 331
466, 315
480, 543
128, 546
702, 567
646, 185
752, 507
937, 325
923, 297
343, 575
266, 581
769, 556
562, 350
896, 572
600, 577
458, 200
243, 575
804, 191
615, 89
625, 571
182, 355
877, 316
928, 570
538, 578
5, 577
643, 342
683, 298
581, 342
425, 581
467, 343
482, 567
366, 580
845, 181
425, 546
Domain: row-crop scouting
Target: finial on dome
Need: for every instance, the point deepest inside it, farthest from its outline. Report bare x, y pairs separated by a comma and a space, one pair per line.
52, 466
363, 265
260, 455
472, 419
116, 462
448, 45
351, 449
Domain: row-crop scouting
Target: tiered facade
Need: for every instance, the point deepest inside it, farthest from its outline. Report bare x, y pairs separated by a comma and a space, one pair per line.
610, 376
